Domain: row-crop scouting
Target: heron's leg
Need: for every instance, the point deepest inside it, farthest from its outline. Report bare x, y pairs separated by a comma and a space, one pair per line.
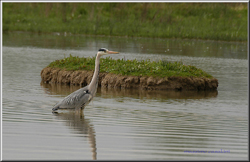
79, 113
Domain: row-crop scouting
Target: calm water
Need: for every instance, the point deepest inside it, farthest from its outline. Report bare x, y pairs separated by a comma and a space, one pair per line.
123, 124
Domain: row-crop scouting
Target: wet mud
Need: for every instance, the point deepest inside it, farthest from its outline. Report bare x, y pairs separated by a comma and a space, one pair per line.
108, 80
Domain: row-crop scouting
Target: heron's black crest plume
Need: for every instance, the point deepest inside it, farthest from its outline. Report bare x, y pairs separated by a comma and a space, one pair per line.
103, 49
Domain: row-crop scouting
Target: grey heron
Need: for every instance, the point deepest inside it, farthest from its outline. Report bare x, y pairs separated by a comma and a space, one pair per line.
81, 97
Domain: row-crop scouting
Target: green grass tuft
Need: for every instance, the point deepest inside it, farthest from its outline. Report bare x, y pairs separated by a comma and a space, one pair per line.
131, 67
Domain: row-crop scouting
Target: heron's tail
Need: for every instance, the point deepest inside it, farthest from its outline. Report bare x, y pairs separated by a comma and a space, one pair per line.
55, 108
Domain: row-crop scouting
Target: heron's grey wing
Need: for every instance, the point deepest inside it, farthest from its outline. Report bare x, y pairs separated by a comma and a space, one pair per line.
73, 100
84, 100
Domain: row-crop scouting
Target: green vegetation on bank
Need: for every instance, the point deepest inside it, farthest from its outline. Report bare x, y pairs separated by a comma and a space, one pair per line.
130, 67
215, 21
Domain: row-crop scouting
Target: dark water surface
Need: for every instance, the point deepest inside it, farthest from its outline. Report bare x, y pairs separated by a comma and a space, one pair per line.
123, 124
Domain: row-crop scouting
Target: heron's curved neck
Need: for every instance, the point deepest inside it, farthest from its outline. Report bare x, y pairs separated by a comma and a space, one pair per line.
94, 82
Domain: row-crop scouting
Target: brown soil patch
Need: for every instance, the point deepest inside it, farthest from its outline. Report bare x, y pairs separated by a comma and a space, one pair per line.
83, 78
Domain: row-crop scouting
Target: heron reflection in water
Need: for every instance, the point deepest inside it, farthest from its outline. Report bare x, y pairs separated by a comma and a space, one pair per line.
81, 97
82, 125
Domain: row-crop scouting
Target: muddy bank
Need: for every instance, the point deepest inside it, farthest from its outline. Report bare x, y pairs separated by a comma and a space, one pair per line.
83, 78
58, 89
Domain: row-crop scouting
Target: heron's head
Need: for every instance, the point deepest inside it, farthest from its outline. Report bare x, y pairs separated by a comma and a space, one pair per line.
104, 51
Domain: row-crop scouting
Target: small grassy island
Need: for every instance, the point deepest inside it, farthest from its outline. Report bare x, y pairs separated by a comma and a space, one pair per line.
145, 74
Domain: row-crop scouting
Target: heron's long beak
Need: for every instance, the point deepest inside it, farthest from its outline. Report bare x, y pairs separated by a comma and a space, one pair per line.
112, 52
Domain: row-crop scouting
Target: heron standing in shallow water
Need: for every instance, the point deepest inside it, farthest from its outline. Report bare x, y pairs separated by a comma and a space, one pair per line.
81, 97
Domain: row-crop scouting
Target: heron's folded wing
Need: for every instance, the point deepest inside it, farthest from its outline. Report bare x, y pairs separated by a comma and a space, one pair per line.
74, 99
84, 100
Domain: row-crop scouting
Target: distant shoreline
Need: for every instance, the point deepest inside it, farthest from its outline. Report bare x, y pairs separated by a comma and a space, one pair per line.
122, 36
202, 21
